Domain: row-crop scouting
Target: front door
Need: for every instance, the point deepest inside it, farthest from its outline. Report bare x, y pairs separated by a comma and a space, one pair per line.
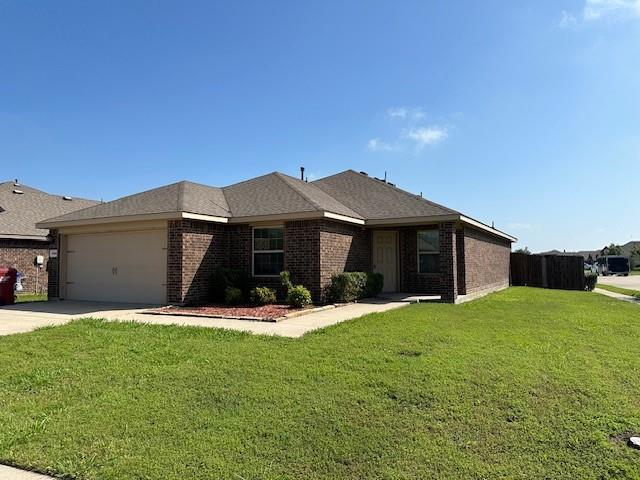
385, 257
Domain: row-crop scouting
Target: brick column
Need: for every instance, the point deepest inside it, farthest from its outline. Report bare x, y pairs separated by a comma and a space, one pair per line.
53, 267
174, 261
448, 263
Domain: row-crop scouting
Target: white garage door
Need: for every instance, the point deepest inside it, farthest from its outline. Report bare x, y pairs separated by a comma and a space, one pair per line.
117, 267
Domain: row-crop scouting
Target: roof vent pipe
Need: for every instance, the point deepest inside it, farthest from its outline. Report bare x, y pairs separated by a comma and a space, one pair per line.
302, 173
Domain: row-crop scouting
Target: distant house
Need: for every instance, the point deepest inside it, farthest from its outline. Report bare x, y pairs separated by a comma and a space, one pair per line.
162, 245
21, 243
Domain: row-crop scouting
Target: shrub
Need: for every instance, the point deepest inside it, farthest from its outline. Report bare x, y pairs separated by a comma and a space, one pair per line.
298, 296
285, 280
223, 278
350, 286
233, 296
590, 281
262, 295
375, 282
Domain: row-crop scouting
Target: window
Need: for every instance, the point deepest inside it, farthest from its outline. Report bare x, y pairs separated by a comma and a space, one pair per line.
268, 251
429, 251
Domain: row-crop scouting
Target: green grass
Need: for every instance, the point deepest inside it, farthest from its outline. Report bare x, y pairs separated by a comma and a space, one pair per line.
635, 272
624, 291
31, 297
526, 383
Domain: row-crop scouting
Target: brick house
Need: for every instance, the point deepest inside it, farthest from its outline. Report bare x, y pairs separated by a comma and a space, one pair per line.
21, 243
161, 246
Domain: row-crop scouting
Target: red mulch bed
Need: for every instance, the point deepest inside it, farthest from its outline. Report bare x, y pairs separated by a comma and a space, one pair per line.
264, 312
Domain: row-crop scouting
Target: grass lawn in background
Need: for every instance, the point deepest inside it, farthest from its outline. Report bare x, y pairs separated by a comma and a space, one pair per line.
31, 297
624, 291
525, 383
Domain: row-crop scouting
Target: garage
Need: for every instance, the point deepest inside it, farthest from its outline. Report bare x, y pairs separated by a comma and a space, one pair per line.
126, 267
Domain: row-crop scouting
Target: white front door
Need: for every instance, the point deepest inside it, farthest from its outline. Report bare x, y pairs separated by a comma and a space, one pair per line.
385, 258
126, 267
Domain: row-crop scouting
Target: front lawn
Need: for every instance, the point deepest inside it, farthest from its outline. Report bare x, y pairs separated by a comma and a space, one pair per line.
31, 297
623, 291
526, 383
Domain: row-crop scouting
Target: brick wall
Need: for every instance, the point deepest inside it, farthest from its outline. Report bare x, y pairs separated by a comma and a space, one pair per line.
194, 250
313, 251
20, 254
343, 248
410, 280
486, 260
448, 262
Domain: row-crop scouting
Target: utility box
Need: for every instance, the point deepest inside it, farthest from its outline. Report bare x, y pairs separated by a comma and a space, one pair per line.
39, 261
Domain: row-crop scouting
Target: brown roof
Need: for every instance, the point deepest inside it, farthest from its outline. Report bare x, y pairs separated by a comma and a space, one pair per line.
19, 212
277, 193
177, 197
347, 194
377, 199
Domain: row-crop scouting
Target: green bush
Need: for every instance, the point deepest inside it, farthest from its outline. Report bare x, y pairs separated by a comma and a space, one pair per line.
233, 296
350, 286
262, 295
375, 282
590, 281
223, 278
298, 296
285, 280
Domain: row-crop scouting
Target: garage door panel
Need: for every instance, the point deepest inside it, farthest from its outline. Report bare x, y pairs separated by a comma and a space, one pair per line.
117, 267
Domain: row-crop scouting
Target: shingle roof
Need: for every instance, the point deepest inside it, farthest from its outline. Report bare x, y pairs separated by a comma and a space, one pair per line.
177, 197
277, 193
19, 212
375, 199
349, 194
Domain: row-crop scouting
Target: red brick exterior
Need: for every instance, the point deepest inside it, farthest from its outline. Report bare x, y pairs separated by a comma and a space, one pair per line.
314, 250
486, 261
194, 250
343, 248
21, 254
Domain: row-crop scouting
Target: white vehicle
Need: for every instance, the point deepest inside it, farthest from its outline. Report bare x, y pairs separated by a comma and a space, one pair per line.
613, 265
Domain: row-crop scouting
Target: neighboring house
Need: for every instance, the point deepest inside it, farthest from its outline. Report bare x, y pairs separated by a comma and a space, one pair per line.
21, 243
627, 250
162, 245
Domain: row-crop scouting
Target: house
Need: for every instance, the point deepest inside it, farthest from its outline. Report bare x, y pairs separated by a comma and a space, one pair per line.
162, 245
21, 243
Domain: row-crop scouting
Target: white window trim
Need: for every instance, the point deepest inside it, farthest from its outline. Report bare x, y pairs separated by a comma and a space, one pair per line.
418, 252
254, 251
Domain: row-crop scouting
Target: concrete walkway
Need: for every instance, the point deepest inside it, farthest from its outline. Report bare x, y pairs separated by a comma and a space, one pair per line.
29, 316
618, 296
10, 473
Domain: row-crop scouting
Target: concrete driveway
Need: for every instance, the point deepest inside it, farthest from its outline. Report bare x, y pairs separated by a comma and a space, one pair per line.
631, 282
26, 317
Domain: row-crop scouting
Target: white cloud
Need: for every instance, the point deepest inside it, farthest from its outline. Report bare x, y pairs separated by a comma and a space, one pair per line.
594, 10
423, 136
567, 20
411, 113
377, 145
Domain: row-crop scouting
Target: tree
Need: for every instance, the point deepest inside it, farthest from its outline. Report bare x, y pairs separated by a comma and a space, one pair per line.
524, 250
612, 249
635, 255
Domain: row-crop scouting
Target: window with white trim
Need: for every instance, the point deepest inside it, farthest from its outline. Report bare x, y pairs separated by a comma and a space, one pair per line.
268, 251
429, 251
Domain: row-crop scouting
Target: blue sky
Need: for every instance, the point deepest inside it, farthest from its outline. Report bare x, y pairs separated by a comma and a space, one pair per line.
522, 113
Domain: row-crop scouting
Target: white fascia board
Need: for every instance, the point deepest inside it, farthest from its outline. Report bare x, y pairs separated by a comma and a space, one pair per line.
486, 228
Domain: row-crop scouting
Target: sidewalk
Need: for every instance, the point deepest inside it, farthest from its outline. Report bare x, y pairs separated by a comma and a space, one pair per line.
618, 296
10, 473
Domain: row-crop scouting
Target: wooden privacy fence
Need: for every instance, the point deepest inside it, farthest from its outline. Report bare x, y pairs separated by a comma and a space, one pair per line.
565, 272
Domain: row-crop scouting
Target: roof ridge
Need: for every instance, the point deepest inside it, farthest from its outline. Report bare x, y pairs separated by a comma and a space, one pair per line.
284, 179
404, 192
